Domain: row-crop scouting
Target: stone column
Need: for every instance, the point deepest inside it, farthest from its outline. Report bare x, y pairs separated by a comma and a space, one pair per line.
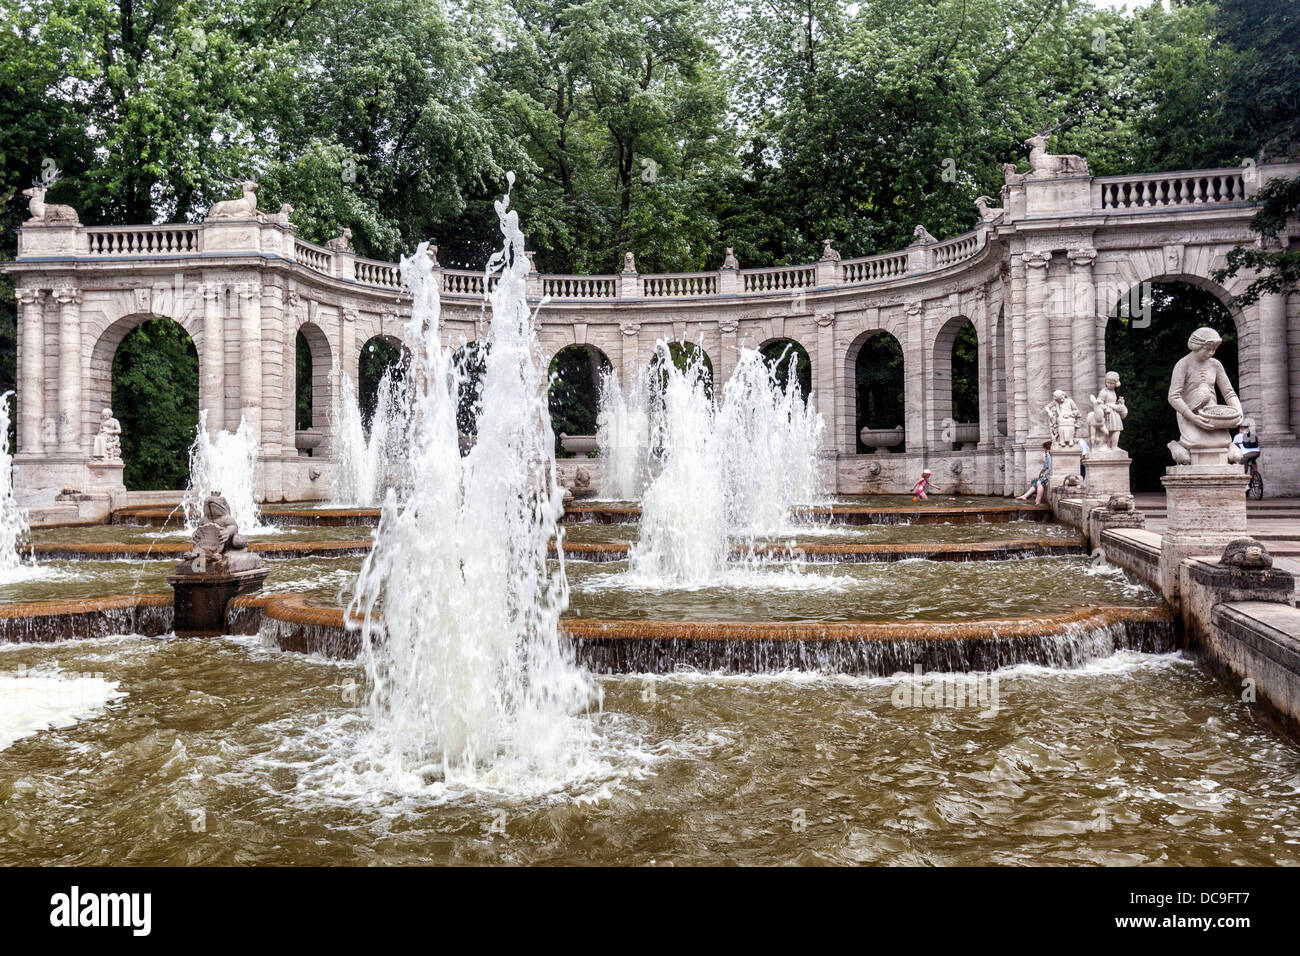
70, 365
727, 354
31, 389
212, 383
349, 360
916, 439
1083, 326
628, 360
275, 370
1274, 422
250, 357
1038, 344
985, 364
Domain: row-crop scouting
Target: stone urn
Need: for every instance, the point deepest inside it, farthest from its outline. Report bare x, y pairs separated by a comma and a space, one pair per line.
578, 444
880, 438
966, 434
308, 439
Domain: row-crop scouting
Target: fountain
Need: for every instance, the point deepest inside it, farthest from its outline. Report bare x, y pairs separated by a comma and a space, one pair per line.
226, 465
623, 435
466, 668
368, 460
13, 520
734, 473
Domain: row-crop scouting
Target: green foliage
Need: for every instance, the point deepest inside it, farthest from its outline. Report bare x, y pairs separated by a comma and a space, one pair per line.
574, 392
780, 354
878, 373
1143, 358
302, 383
378, 355
156, 398
966, 375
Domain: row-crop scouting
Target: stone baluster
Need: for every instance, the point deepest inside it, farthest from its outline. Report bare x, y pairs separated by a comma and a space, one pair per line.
31, 346
70, 369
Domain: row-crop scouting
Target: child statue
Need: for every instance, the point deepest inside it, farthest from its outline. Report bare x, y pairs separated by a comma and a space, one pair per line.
1204, 426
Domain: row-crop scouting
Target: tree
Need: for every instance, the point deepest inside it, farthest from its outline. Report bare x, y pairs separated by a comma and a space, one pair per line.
156, 399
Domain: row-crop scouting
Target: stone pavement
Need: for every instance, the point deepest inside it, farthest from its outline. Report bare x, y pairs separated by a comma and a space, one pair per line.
1274, 521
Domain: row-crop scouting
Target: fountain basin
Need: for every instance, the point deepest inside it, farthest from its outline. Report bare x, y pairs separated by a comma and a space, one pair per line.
878, 439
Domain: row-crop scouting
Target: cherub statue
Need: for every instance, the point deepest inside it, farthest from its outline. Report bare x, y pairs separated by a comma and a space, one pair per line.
1063, 416
219, 547
1106, 420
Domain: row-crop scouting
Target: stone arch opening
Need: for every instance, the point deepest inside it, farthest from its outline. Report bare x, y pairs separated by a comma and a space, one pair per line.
1146, 334
470, 362
313, 387
574, 391
681, 355
380, 355
146, 368
956, 383
781, 355
876, 361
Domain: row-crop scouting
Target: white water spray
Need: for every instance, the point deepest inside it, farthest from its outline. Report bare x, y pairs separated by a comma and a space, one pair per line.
470, 682
623, 435
731, 474
366, 464
226, 464
13, 520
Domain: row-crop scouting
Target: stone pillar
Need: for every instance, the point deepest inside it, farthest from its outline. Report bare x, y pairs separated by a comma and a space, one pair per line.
31, 348
70, 363
349, 358
1206, 509
275, 370
212, 394
1083, 326
629, 360
727, 354
914, 378
1038, 344
1274, 421
986, 360
250, 357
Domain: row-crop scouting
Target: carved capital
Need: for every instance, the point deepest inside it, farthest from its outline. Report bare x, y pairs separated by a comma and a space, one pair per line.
630, 328
66, 295
249, 290
211, 291
29, 296
915, 308
1037, 260
825, 319
349, 313
1082, 258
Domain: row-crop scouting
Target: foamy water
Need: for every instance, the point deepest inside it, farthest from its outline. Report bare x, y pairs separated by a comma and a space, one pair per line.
39, 702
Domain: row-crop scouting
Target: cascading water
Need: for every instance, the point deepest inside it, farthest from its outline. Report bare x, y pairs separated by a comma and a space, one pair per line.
13, 520
470, 682
730, 475
227, 464
367, 462
623, 435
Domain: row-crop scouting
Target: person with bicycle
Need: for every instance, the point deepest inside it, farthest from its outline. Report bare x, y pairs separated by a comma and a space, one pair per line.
1246, 441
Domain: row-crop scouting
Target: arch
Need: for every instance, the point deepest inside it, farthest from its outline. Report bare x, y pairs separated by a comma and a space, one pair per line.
779, 352
955, 382
681, 353
146, 368
470, 361
876, 364
1144, 336
313, 385
573, 392
379, 354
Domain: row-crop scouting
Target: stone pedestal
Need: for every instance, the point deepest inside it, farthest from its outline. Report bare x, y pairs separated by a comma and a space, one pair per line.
1065, 461
1107, 474
1206, 509
200, 599
106, 477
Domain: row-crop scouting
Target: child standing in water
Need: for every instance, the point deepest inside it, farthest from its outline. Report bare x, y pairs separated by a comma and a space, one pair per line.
921, 487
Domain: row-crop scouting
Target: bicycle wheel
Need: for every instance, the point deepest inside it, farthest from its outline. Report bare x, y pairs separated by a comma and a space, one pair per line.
1256, 487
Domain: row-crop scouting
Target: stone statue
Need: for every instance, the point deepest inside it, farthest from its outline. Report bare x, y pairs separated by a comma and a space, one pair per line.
1204, 426
281, 217
342, 242
1063, 416
921, 236
629, 264
219, 548
1044, 165
1106, 420
730, 262
108, 442
987, 211
245, 207
829, 254
44, 213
